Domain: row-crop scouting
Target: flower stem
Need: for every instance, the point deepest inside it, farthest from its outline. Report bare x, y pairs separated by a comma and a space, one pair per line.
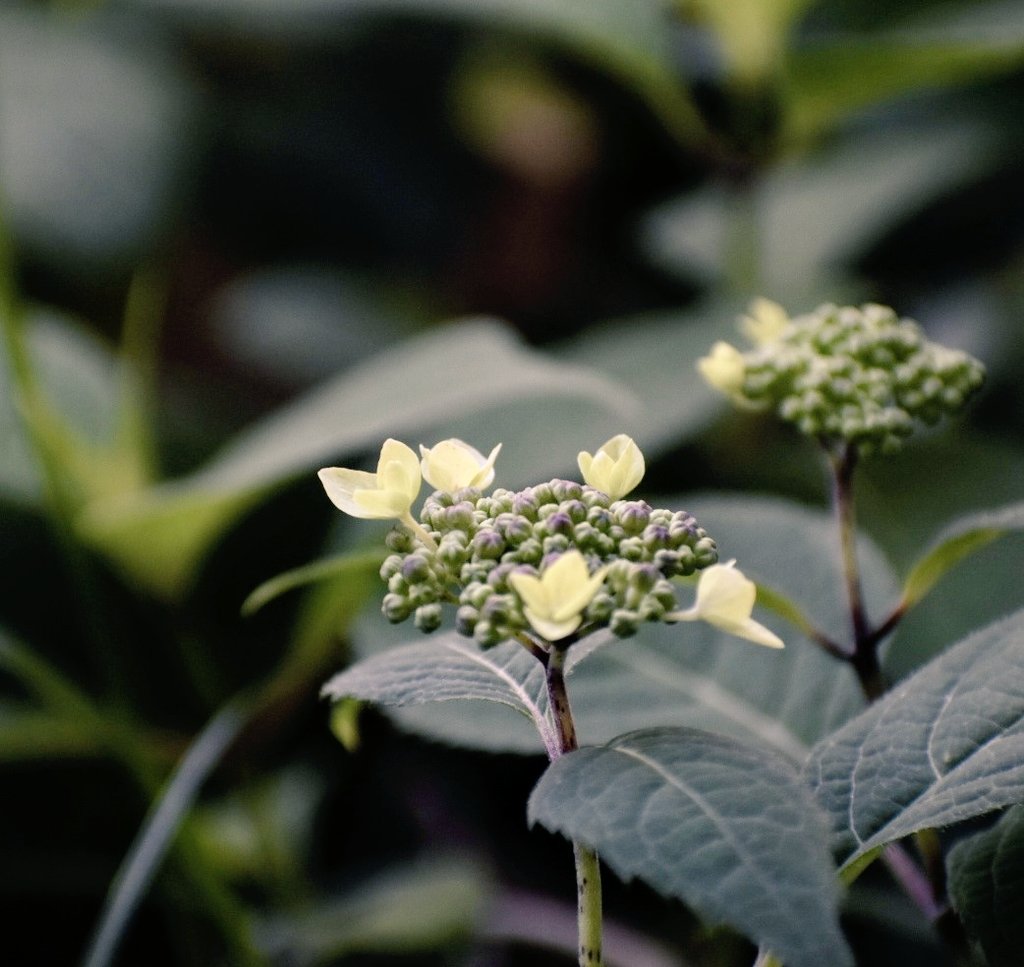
864, 655
419, 531
588, 891
588, 869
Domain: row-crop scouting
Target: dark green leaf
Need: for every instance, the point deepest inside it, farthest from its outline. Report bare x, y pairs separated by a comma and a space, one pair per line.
332, 567
986, 883
451, 668
728, 828
944, 746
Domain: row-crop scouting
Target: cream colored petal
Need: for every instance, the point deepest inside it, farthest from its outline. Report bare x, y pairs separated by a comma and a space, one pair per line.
756, 632
725, 593
381, 504
549, 629
724, 368
575, 601
531, 590
765, 323
616, 468
485, 475
394, 451
340, 485
453, 464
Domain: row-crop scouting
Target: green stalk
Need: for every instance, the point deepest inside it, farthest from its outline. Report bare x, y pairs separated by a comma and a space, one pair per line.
588, 869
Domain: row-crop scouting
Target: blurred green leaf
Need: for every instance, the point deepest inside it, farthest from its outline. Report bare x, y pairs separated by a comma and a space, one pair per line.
728, 828
986, 883
655, 356
902, 497
812, 217
829, 79
92, 138
342, 564
426, 384
944, 746
959, 540
27, 733
419, 907
80, 379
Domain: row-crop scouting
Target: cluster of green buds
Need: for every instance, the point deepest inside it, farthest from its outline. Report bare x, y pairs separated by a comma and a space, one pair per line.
848, 375
553, 561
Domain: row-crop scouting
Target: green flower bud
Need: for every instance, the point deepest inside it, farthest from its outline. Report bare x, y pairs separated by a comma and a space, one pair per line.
395, 608
487, 544
623, 623
465, 620
428, 617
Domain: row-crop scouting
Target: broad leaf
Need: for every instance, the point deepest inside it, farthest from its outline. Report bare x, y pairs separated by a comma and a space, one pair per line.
451, 668
695, 675
427, 384
728, 828
986, 883
957, 541
944, 746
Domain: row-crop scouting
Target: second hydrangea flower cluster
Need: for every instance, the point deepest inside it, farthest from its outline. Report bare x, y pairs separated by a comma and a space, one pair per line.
858, 375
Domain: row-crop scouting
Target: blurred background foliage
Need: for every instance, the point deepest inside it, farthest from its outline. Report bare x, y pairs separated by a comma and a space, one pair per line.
241, 239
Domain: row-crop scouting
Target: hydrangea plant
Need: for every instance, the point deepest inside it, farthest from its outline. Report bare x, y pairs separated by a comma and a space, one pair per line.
546, 567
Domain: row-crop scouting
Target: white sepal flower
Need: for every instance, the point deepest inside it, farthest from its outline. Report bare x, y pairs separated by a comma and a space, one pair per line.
765, 323
555, 601
725, 599
616, 468
453, 464
388, 493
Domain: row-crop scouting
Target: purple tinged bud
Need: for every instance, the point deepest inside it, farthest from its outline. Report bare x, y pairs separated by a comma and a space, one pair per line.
656, 537
566, 490
559, 523
488, 544
525, 505
415, 568
633, 515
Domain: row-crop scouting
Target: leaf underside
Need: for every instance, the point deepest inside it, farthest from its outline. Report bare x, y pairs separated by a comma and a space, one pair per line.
728, 828
945, 746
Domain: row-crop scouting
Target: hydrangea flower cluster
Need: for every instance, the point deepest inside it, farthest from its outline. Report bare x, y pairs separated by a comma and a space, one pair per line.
859, 376
557, 560
484, 543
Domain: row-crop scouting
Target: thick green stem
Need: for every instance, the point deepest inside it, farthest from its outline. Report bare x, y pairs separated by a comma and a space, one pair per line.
588, 869
588, 891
